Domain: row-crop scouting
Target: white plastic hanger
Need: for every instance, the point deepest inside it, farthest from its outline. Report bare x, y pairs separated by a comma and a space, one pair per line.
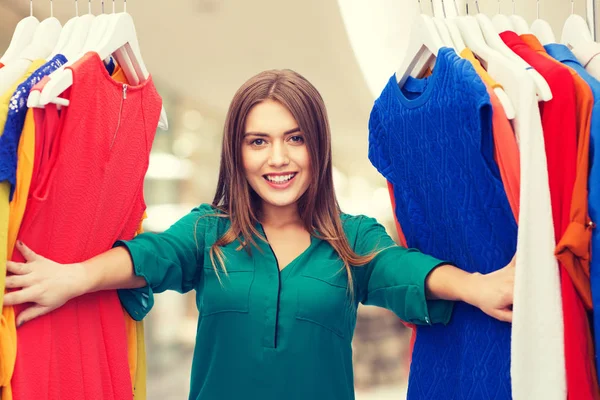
491, 60
98, 30
450, 21
423, 46
442, 28
521, 26
83, 25
495, 42
22, 36
121, 41
576, 31
44, 39
43, 42
501, 22
542, 29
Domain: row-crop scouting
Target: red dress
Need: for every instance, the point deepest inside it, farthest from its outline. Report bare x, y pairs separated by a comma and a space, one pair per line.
88, 194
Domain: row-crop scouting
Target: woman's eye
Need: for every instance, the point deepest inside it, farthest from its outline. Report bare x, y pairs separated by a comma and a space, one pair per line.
258, 142
297, 139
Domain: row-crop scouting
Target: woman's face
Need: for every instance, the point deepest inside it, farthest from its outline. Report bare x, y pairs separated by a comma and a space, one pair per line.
275, 156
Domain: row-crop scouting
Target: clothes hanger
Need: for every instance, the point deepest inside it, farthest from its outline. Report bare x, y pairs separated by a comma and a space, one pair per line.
501, 22
491, 60
542, 29
43, 42
521, 26
65, 35
423, 46
576, 31
44, 39
442, 28
120, 40
71, 49
81, 31
451, 24
21, 37
495, 42
98, 29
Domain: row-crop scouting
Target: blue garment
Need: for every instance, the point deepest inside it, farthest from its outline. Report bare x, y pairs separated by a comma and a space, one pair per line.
562, 53
433, 141
15, 120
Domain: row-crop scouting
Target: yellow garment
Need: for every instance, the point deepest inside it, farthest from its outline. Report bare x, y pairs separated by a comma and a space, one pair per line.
136, 346
483, 74
5, 97
8, 336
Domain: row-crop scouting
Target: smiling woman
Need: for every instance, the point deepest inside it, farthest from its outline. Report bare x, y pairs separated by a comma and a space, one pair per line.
278, 268
276, 161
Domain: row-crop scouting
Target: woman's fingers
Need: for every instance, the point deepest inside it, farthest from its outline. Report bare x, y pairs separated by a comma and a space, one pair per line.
18, 281
26, 251
32, 312
503, 315
18, 268
27, 295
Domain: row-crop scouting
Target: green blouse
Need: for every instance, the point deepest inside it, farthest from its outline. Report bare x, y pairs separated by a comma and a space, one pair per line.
270, 335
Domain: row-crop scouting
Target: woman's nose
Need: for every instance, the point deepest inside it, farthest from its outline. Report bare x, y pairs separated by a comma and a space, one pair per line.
279, 156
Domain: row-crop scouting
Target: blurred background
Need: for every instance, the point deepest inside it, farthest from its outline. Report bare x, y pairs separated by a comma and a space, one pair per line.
199, 52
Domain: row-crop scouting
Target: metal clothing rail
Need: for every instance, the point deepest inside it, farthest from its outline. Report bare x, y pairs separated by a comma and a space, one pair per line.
591, 16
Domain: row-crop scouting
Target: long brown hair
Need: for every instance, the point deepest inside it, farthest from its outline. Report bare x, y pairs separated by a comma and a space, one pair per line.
318, 206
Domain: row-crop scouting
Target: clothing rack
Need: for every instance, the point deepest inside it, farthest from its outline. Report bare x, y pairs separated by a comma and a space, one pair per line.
591, 16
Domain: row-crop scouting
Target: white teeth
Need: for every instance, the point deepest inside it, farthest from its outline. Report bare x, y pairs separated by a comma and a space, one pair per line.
280, 178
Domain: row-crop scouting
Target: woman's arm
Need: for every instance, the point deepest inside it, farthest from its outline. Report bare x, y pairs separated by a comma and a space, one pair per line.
492, 293
50, 284
150, 263
417, 287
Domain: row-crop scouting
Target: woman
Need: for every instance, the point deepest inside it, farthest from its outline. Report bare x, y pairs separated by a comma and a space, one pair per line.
278, 269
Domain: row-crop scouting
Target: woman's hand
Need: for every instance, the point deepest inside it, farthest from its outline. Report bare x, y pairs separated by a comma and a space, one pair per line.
43, 282
493, 292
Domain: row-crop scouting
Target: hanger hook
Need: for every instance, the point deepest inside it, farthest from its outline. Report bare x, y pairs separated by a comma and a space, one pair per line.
444, 9
51, 9
89, 6
31, 8
456, 8
572, 7
537, 9
513, 13
124, 6
432, 9
102, 6
477, 6
498, 6
420, 7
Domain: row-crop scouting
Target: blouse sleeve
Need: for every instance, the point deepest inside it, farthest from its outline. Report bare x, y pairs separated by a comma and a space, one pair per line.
395, 278
167, 261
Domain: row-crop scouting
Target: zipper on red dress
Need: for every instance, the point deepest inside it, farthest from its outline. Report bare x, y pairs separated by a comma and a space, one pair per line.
123, 98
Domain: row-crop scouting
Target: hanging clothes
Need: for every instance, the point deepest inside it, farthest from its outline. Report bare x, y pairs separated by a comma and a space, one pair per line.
443, 215
86, 337
7, 343
13, 128
587, 54
573, 249
567, 57
506, 151
560, 134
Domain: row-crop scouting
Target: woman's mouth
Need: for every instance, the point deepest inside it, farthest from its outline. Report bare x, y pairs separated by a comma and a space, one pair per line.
280, 181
